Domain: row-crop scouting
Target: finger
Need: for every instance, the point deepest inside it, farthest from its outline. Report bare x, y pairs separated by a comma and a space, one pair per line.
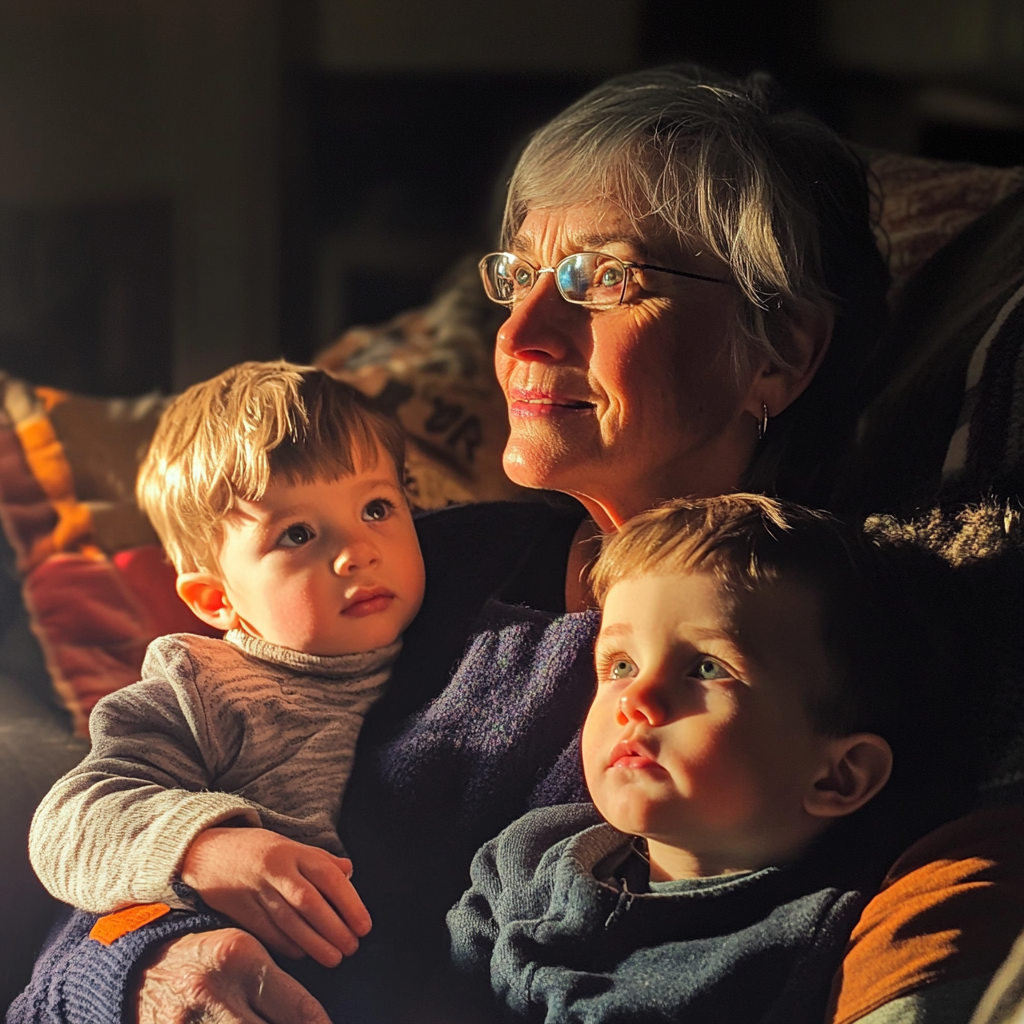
339, 891
266, 929
278, 998
224, 976
282, 1000
309, 922
346, 866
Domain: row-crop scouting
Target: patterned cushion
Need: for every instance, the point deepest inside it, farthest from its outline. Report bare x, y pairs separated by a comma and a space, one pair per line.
432, 369
949, 424
927, 203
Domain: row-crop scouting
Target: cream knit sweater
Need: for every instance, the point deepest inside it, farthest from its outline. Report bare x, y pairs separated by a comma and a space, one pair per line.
216, 730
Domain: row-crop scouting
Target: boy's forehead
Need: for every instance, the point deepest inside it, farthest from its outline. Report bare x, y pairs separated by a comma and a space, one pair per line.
365, 473
285, 495
776, 625
691, 599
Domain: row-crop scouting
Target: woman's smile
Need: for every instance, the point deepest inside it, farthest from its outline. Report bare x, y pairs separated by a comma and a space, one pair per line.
529, 402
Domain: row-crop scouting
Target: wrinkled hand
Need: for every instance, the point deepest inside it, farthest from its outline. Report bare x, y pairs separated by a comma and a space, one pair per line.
221, 977
298, 899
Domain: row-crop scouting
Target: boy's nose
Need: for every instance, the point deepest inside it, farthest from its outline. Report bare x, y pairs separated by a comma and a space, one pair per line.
643, 701
354, 557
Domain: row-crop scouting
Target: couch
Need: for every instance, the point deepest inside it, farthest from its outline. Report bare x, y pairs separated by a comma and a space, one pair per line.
83, 586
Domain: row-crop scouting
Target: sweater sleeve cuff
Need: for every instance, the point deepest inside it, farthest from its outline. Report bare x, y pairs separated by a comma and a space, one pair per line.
90, 985
160, 855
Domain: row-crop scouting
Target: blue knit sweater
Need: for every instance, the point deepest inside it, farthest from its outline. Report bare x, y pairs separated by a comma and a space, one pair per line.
443, 763
561, 920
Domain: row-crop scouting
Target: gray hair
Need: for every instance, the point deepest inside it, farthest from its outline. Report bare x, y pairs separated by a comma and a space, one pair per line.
696, 152
729, 166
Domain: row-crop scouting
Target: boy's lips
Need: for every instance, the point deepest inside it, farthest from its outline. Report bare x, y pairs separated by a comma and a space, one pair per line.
367, 601
632, 754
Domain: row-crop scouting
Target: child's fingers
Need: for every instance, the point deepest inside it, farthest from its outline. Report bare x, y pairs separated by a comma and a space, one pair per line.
314, 929
336, 888
263, 925
319, 915
345, 864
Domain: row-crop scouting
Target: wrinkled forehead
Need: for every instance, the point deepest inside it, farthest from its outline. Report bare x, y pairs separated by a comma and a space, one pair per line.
598, 226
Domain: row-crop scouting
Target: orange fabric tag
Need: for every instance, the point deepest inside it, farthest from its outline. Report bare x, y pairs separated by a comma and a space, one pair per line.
111, 927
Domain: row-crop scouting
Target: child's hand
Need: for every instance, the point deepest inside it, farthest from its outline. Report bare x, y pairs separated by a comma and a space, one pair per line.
296, 899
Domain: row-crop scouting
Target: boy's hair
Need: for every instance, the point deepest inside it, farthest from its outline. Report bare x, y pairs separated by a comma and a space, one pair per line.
221, 442
875, 630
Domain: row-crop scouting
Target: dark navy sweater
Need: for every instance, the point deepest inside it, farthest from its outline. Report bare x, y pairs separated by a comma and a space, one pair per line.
562, 923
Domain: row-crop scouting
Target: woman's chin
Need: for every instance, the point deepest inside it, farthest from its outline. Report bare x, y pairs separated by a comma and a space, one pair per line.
545, 478
541, 466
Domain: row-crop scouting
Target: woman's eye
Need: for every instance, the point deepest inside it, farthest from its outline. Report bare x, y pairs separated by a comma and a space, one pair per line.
709, 668
611, 277
622, 668
295, 536
378, 510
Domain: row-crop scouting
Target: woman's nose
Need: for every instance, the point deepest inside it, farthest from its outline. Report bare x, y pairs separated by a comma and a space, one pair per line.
355, 556
539, 328
643, 701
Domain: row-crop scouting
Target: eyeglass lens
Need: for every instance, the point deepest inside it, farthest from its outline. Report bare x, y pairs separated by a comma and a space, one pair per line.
587, 278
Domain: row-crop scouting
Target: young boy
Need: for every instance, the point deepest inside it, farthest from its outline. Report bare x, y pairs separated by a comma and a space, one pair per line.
753, 667
278, 497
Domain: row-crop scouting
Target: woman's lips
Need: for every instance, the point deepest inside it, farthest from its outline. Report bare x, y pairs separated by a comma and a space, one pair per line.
368, 601
527, 403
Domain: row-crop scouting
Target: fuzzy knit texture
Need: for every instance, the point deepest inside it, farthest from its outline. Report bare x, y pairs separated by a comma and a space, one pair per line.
562, 920
216, 730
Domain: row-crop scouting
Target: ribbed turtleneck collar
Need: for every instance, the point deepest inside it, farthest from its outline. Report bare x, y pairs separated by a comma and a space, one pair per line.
329, 665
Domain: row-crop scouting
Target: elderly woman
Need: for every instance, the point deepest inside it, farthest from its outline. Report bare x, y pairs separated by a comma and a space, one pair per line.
694, 295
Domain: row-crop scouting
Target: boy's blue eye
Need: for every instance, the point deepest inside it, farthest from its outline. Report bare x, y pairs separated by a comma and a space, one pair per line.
295, 536
622, 668
378, 510
709, 668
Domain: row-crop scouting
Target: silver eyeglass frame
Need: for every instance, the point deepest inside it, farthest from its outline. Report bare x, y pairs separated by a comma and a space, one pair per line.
625, 264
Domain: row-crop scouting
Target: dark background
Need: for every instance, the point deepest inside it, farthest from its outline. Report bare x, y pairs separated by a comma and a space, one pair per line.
186, 183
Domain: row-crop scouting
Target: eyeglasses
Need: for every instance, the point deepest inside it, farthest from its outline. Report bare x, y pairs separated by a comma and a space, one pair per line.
592, 279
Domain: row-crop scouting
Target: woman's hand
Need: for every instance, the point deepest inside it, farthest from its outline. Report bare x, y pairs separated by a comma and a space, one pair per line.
296, 899
221, 977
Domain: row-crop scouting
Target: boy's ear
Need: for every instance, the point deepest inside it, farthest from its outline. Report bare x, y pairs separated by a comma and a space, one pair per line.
204, 593
857, 767
776, 388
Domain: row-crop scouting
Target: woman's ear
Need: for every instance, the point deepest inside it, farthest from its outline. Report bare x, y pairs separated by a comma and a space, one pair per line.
774, 387
856, 768
204, 593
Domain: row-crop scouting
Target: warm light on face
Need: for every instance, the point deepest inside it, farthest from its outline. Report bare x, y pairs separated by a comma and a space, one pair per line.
699, 736
624, 406
329, 567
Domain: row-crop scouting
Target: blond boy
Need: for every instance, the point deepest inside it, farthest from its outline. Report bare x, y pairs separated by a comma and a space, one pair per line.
753, 666
278, 497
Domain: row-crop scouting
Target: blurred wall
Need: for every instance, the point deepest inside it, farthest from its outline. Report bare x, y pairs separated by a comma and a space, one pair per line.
115, 101
979, 39
186, 183
467, 35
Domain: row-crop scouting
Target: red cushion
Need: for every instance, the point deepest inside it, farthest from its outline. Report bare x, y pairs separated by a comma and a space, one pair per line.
151, 578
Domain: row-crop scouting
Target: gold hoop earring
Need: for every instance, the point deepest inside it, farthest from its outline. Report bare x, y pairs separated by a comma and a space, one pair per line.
762, 427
